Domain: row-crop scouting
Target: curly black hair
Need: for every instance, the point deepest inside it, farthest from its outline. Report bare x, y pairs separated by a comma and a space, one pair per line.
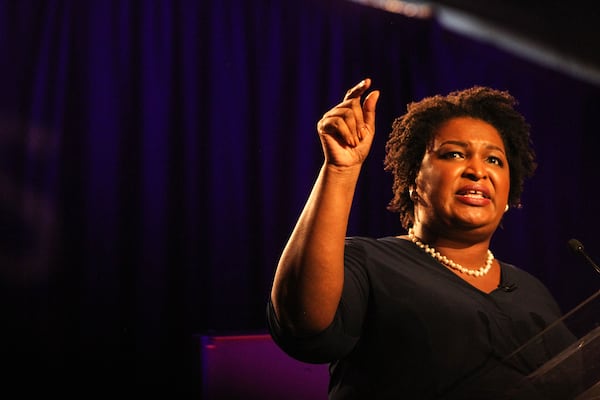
413, 132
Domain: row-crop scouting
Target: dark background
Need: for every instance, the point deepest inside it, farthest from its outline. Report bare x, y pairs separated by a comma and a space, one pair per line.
155, 155
569, 28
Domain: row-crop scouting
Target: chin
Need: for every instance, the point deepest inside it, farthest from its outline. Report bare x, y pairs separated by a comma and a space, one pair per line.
478, 223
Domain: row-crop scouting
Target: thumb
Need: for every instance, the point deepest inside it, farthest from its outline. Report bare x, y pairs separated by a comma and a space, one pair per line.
369, 106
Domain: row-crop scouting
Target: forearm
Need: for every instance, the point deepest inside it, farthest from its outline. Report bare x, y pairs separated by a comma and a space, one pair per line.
310, 276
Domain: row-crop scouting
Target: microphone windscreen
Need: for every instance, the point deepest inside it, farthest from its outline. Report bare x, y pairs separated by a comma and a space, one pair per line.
575, 245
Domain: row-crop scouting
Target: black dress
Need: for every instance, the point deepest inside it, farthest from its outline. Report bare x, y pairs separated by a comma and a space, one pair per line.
408, 328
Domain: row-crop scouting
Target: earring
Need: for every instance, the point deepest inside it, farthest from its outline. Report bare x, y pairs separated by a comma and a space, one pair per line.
413, 195
506, 208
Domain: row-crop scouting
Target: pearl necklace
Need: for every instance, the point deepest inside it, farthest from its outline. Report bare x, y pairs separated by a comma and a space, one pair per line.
448, 262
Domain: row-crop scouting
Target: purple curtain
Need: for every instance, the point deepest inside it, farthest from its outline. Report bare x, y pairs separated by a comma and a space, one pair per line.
155, 155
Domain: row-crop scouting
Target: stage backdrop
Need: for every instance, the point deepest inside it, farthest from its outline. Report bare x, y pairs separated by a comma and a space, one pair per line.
155, 155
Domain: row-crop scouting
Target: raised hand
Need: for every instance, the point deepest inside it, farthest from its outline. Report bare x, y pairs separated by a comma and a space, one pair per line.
347, 130
310, 275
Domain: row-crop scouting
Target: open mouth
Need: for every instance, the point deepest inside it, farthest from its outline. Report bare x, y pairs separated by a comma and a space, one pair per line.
476, 194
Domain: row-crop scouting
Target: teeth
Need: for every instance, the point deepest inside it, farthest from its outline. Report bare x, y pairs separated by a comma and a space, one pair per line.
474, 193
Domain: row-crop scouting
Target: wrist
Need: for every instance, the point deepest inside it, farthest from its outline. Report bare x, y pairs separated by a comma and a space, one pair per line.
342, 170
346, 176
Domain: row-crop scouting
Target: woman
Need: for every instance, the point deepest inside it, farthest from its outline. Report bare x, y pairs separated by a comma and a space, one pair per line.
431, 314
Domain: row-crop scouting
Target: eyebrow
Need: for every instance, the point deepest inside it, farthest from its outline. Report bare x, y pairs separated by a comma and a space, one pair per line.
466, 145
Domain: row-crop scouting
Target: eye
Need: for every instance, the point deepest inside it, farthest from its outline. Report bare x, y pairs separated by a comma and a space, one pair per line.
496, 160
452, 155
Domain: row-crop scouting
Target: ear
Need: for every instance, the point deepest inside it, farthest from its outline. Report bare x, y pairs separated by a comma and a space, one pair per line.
412, 193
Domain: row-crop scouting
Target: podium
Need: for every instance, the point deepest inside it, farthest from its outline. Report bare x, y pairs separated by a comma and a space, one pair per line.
562, 362
574, 372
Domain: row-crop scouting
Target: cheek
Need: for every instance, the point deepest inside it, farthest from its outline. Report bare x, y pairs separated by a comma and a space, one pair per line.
502, 183
441, 179
433, 187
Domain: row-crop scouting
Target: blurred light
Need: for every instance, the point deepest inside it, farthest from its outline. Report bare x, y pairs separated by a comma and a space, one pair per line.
410, 9
518, 44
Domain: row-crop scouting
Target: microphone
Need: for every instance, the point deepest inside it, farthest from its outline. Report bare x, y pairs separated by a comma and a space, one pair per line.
507, 287
577, 248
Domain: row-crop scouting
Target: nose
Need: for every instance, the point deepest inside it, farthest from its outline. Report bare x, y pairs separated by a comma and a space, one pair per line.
475, 169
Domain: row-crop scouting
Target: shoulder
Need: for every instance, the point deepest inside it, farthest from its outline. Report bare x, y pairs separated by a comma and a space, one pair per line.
382, 244
391, 254
524, 280
512, 272
367, 249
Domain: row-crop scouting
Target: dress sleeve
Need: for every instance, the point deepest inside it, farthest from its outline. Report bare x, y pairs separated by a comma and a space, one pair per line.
340, 337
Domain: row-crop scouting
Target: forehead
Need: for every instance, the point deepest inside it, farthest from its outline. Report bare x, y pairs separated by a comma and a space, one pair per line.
468, 130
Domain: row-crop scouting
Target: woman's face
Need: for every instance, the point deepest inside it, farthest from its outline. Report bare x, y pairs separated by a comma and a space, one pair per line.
464, 180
